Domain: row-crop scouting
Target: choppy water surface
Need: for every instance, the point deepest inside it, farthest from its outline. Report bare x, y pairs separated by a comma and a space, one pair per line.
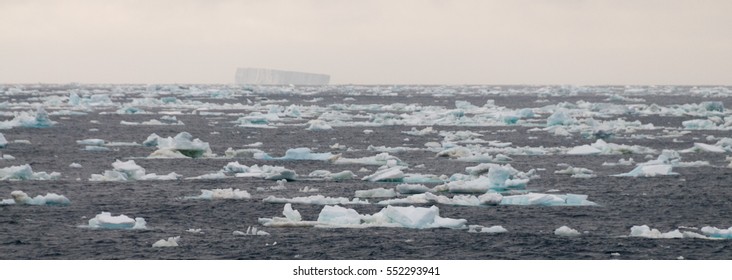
698, 196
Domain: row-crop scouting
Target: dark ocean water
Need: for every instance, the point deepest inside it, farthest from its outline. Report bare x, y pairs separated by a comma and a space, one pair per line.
699, 196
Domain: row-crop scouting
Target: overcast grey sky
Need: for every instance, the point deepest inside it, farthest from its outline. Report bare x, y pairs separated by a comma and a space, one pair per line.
369, 42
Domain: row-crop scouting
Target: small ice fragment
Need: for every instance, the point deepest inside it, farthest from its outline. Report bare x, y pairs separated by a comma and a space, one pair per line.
566, 231
171, 242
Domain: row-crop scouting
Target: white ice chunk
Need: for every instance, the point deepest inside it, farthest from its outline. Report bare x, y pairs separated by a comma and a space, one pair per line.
181, 144
493, 229
171, 242
339, 215
547, 200
701, 147
647, 232
412, 188
25, 172
130, 171
229, 193
105, 220
378, 192
91, 142
290, 214
297, 154
343, 175
566, 231
714, 232
21, 198
3, 141
380, 159
318, 125
269, 172
39, 119
315, 199
584, 150
393, 174
649, 171
415, 217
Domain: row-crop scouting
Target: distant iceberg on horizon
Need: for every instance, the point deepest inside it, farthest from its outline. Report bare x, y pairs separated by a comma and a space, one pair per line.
261, 76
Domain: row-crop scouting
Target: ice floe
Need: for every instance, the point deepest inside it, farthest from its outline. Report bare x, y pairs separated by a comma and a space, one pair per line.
25, 172
325, 174
129, 171
315, 199
390, 216
714, 232
297, 154
378, 192
181, 146
491, 229
21, 198
171, 242
566, 231
251, 231
105, 220
229, 193
39, 119
646, 232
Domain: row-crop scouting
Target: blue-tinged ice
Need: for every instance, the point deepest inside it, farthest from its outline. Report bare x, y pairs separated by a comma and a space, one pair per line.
414, 217
96, 100
412, 188
39, 119
297, 154
699, 124
25, 172
338, 215
3, 141
105, 220
21, 198
714, 232
560, 117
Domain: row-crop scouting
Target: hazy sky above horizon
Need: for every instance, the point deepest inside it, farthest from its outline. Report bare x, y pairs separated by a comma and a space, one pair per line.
369, 42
